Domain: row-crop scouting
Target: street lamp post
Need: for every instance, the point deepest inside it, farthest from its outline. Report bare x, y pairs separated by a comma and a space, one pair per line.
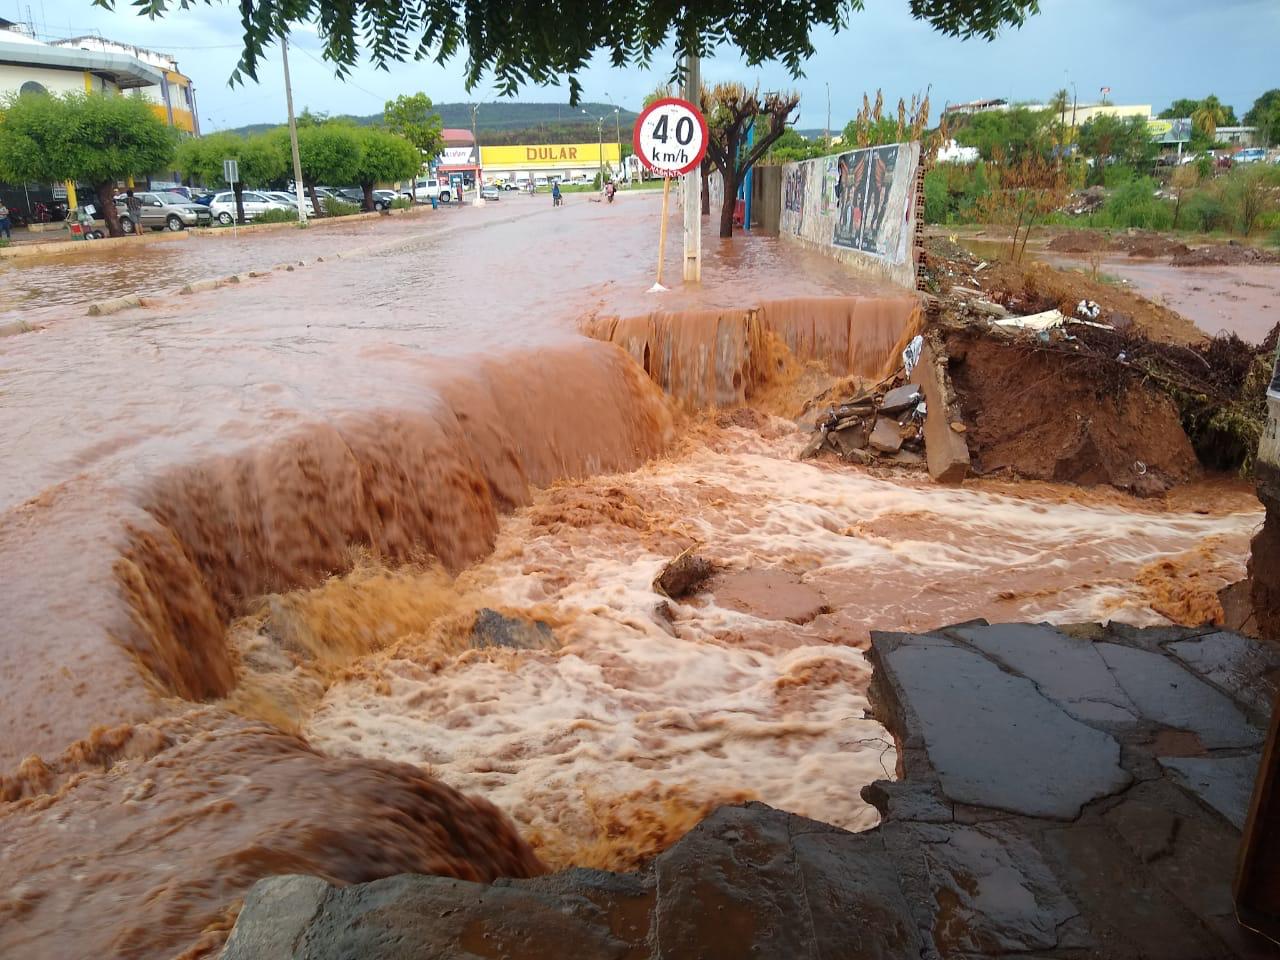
475, 145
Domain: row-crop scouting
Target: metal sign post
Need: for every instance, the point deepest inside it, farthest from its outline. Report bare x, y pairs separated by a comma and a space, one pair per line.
670, 138
231, 174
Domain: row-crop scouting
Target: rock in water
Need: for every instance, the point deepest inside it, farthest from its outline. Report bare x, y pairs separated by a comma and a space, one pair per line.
683, 576
493, 629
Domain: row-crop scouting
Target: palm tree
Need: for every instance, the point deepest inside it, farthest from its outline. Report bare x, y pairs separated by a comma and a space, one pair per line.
1208, 115
1059, 103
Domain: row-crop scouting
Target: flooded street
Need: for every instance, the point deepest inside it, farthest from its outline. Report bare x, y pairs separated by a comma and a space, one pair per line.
247, 536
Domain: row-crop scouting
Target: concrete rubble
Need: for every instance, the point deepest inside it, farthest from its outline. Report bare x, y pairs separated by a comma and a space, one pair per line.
1063, 793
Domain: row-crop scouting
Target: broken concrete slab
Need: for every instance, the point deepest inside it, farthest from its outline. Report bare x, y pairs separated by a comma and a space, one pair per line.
995, 893
494, 629
1067, 670
1224, 783
886, 436
1172, 696
993, 738
900, 398
1247, 670
946, 451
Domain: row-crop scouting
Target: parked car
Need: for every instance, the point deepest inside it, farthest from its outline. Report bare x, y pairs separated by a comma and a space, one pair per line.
1251, 155
291, 200
162, 211
256, 203
382, 199
490, 193
204, 199
424, 189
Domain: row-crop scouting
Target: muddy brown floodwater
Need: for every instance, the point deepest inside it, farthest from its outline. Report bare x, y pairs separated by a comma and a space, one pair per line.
246, 534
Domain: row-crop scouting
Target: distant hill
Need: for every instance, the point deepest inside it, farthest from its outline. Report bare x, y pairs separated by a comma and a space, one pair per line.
505, 122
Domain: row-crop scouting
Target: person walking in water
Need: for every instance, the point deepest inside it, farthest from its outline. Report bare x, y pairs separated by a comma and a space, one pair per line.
134, 206
555, 194
4, 222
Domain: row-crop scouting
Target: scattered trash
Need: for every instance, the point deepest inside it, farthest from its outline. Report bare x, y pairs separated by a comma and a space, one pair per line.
911, 355
1039, 322
1088, 309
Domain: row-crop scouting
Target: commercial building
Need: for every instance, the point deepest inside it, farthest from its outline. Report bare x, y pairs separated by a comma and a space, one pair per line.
460, 161
86, 64
550, 160
96, 65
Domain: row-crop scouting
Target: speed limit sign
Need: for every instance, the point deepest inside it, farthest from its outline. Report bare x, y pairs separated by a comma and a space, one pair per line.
670, 137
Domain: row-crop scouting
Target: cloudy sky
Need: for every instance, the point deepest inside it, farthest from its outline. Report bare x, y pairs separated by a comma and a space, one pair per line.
1146, 51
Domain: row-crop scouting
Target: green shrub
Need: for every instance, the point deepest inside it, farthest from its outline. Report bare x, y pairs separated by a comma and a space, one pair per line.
401, 203
936, 197
1205, 210
1116, 175
277, 215
340, 208
1135, 205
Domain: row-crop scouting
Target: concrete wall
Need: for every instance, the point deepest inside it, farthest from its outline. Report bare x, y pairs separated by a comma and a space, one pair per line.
860, 207
13, 76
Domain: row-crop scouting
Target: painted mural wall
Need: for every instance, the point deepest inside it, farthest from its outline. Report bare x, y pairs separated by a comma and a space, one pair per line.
859, 206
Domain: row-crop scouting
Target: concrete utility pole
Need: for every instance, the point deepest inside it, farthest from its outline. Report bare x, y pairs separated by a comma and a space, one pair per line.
293, 133
692, 184
475, 144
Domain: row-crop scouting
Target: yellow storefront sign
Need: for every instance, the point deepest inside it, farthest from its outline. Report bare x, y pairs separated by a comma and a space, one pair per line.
551, 155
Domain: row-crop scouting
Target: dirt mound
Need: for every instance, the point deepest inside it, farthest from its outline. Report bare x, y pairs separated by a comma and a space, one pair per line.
1224, 255
1038, 414
1080, 241
1149, 245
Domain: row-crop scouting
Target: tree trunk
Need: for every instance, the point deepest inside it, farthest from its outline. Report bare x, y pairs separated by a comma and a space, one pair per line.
727, 207
706, 190
315, 200
105, 193
238, 190
368, 196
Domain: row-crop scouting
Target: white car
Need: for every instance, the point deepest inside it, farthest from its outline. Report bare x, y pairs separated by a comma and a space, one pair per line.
292, 200
424, 189
223, 206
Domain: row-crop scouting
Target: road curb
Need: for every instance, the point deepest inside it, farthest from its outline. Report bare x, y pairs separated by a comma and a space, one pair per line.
114, 305
70, 247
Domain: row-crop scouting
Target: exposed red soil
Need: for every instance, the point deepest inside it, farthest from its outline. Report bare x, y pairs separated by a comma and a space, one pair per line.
1033, 413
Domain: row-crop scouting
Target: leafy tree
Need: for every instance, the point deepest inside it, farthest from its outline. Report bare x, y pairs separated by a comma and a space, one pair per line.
1265, 115
412, 117
384, 158
1120, 139
791, 147
1180, 109
91, 138
262, 159
330, 153
542, 44
730, 108
1007, 135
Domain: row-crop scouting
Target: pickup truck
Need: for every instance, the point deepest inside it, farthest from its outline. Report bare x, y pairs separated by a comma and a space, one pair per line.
424, 190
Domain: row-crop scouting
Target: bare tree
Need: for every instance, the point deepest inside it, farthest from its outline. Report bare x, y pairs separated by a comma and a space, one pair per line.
730, 109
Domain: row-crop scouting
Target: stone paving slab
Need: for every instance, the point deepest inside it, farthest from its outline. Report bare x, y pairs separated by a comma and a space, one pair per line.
1067, 670
1225, 783
995, 740
1245, 669
1168, 694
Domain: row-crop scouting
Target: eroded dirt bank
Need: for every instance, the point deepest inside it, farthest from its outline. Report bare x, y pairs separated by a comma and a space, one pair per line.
282, 639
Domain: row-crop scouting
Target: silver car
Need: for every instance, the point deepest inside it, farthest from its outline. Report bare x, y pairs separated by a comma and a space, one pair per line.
223, 206
162, 211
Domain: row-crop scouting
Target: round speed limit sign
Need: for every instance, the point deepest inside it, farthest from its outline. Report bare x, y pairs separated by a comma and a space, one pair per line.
670, 137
